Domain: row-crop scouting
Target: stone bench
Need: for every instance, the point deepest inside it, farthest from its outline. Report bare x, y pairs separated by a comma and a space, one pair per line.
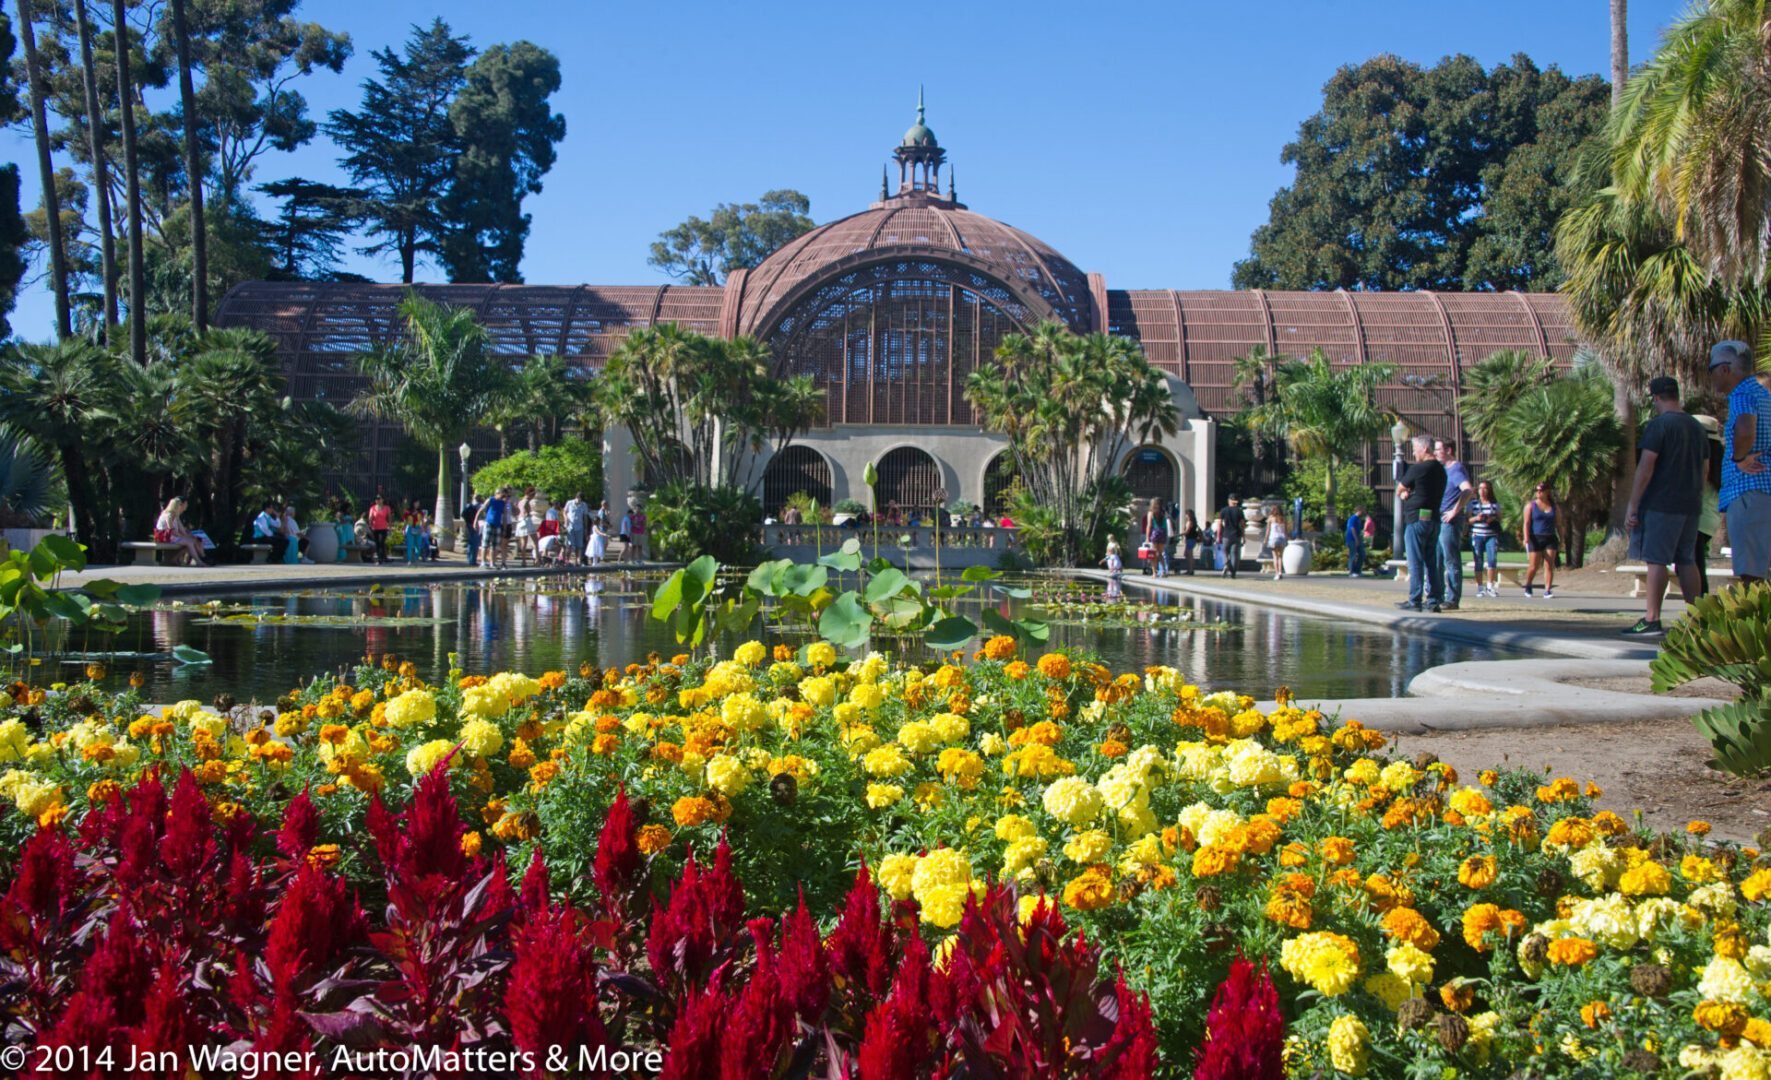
135, 547
1639, 584
261, 553
1513, 571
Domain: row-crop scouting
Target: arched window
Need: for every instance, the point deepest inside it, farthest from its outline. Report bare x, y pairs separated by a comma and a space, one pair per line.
795, 469
1151, 473
999, 481
908, 478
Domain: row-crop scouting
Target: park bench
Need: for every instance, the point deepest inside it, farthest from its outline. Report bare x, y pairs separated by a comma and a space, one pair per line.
261, 553
1640, 574
135, 547
1515, 573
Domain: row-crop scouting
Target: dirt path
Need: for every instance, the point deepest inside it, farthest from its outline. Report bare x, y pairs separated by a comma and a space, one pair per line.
1658, 767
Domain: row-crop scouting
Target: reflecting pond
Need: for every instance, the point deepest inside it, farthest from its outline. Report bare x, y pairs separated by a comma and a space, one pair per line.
264, 643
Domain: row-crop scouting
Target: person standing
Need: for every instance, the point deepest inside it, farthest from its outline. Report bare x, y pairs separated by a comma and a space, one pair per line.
1422, 491
1276, 541
1666, 500
1356, 543
1452, 520
493, 518
380, 521
1193, 537
577, 526
637, 533
1746, 479
1156, 536
598, 547
1540, 528
1231, 523
1709, 522
1484, 511
470, 528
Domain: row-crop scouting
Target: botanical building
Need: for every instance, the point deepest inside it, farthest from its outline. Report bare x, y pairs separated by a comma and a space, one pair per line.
889, 309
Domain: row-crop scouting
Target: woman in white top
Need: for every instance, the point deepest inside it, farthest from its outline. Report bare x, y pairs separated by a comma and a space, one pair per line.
1276, 541
169, 529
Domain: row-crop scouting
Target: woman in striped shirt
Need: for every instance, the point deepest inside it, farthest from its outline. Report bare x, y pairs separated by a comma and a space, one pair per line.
1484, 511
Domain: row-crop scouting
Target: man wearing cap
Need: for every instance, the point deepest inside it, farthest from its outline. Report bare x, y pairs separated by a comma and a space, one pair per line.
1746, 480
1666, 500
1232, 521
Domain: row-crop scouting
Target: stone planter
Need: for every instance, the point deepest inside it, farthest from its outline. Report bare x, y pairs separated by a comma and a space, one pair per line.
322, 542
1296, 557
26, 539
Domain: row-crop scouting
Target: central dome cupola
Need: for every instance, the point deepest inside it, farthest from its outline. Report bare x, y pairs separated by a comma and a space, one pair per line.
920, 159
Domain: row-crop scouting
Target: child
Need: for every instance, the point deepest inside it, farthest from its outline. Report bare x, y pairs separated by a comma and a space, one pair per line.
598, 548
1115, 570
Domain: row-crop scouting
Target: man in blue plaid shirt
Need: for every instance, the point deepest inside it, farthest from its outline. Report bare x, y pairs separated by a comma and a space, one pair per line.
1746, 478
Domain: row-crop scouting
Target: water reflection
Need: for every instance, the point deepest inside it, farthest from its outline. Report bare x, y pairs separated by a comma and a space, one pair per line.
603, 620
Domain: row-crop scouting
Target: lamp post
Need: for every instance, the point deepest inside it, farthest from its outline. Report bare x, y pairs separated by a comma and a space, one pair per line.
1398, 436
466, 452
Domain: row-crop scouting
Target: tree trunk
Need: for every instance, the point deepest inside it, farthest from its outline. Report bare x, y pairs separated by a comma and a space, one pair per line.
445, 511
1623, 475
138, 323
193, 171
58, 259
73, 467
1620, 49
101, 181
1330, 517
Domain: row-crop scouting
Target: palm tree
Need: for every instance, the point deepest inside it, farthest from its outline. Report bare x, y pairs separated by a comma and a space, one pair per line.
1620, 49
1565, 433
1325, 413
59, 395
27, 480
1493, 386
438, 381
58, 258
228, 387
101, 181
1252, 377
138, 329
193, 170
1693, 136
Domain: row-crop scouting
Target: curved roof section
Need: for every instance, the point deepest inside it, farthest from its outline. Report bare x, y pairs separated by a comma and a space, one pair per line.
915, 226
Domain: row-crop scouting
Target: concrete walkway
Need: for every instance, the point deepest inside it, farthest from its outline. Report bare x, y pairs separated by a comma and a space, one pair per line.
1575, 624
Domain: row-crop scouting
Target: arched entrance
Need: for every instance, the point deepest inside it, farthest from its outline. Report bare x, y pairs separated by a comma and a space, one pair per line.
999, 483
795, 469
908, 478
1151, 473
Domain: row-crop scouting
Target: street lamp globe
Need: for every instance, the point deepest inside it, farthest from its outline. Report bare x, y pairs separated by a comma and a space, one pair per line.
466, 452
1398, 436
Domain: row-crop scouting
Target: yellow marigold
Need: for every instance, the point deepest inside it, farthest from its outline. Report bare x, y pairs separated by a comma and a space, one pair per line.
604, 745
1559, 790
1337, 850
1756, 886
880, 796
515, 827
750, 654
960, 766
1698, 828
1645, 879
1328, 962
424, 757
1406, 924
1572, 951
1288, 908
481, 738
1017, 670
652, 839
1054, 666
521, 757
1478, 871
1410, 963
1212, 860
1349, 1045
1698, 870
323, 856
692, 810
1284, 809
1757, 1032
1089, 891
1722, 1017
543, 774
1571, 833
470, 844
1293, 855
1112, 748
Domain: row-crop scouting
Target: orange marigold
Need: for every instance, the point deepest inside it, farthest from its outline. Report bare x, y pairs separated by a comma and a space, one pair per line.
1000, 647
1571, 951
652, 839
692, 810
1054, 666
1407, 924
1478, 872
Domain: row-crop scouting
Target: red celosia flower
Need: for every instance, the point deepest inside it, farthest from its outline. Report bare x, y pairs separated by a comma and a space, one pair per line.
46, 883
725, 897
761, 1022
1244, 1032
617, 850
895, 1041
189, 841
803, 965
550, 998
861, 947
535, 899
1135, 1037
694, 1039
168, 1025
315, 920
301, 827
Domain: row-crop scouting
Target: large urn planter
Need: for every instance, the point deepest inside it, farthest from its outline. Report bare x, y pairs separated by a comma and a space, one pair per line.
322, 542
1296, 557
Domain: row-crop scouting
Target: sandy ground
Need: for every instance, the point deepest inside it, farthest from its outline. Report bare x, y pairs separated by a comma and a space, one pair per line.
1657, 767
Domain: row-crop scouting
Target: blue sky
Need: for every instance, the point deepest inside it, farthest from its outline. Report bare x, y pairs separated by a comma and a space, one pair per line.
1141, 140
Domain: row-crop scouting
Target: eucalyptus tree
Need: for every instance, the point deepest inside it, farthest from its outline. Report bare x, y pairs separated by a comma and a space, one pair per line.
58, 258
1071, 406
438, 380
100, 168
1325, 412
138, 340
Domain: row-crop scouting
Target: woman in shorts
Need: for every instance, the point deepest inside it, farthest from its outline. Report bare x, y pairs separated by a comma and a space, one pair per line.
1538, 528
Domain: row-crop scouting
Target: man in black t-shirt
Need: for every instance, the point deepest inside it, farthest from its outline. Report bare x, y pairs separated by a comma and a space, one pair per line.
1232, 523
470, 532
1421, 487
1667, 499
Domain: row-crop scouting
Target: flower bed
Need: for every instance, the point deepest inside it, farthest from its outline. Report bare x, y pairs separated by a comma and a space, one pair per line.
1411, 922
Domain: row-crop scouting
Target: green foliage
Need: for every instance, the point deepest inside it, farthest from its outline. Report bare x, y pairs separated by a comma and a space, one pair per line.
687, 521
850, 506
1726, 635
1494, 386
737, 236
562, 470
1449, 177
1325, 413
1566, 434
13, 237
29, 598
28, 481
1309, 478
444, 147
1071, 406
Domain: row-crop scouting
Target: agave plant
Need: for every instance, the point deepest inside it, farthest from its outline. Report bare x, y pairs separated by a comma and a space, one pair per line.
1727, 636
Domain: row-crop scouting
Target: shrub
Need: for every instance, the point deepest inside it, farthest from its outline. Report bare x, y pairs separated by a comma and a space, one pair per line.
687, 521
1727, 635
850, 506
1309, 478
561, 470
